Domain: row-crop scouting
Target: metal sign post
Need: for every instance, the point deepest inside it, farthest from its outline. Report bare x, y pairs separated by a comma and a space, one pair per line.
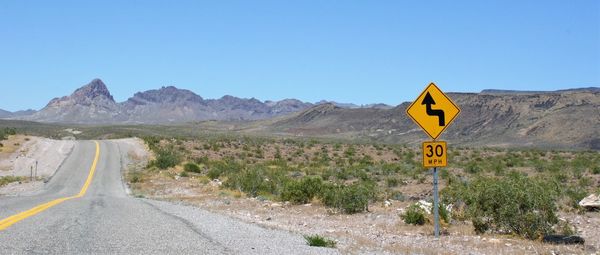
433, 111
436, 213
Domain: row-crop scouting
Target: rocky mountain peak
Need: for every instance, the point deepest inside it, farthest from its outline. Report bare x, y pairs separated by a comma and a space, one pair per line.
96, 88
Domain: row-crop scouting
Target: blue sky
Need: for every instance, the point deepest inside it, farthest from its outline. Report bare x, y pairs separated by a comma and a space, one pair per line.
348, 51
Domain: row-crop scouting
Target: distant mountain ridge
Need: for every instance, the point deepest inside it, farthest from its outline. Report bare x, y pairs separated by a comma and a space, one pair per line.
94, 104
569, 119
503, 91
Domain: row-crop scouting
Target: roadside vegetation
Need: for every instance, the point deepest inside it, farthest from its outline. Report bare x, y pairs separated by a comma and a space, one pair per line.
501, 191
8, 179
319, 241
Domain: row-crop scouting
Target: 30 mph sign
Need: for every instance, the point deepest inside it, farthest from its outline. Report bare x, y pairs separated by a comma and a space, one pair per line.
435, 154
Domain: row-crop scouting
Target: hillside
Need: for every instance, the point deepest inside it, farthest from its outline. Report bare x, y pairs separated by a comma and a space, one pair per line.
567, 119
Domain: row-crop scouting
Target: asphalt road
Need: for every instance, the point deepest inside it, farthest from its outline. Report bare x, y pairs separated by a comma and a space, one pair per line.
105, 220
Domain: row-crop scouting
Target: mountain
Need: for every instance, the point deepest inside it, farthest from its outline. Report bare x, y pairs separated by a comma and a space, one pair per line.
567, 119
5, 114
89, 104
513, 92
354, 106
167, 104
93, 104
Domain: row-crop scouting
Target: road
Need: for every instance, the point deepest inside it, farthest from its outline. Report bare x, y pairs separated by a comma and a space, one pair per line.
72, 217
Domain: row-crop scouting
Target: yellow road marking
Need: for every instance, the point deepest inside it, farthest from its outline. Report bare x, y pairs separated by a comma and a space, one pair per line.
5, 223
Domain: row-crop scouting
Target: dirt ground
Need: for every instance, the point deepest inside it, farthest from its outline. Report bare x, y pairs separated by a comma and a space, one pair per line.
24, 156
379, 231
20, 154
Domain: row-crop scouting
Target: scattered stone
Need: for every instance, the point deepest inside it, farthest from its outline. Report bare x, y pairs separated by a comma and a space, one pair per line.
387, 203
563, 239
216, 183
590, 202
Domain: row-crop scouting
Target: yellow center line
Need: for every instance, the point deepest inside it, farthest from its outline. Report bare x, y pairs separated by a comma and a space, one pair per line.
7, 222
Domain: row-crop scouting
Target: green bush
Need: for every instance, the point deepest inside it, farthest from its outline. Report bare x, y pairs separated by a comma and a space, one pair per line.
302, 191
255, 180
166, 157
515, 204
152, 142
596, 169
319, 241
349, 199
414, 215
8, 179
135, 177
392, 182
5, 132
214, 173
191, 167
473, 168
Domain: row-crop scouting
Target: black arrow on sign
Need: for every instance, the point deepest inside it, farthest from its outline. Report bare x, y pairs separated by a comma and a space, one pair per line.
428, 101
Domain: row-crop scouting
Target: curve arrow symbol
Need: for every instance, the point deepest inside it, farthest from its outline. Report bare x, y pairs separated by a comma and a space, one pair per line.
428, 101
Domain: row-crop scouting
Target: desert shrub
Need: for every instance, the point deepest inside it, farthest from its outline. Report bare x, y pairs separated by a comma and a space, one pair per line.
319, 241
152, 142
201, 160
301, 191
184, 174
472, 167
255, 180
414, 215
350, 151
191, 167
166, 157
349, 199
574, 195
444, 214
564, 228
514, 204
8, 179
214, 173
392, 182
596, 169
135, 177
398, 196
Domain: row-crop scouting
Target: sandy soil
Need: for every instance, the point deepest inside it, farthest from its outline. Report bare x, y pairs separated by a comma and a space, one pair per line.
48, 154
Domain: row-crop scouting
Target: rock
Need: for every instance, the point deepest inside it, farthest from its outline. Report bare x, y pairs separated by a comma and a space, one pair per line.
425, 205
591, 201
387, 203
275, 205
563, 239
216, 183
494, 240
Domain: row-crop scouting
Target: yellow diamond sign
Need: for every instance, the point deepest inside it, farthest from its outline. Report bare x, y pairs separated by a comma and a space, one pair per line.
433, 111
